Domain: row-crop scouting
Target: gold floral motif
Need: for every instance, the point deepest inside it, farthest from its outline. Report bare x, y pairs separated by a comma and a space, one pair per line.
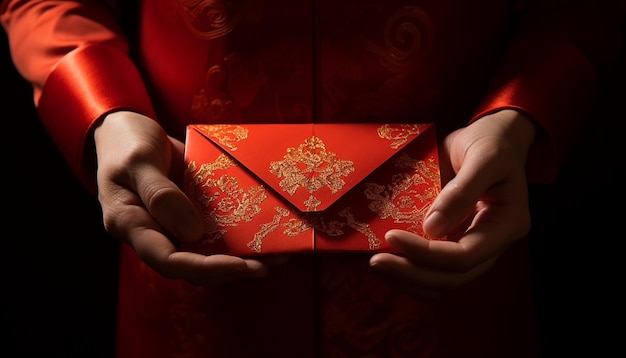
429, 169
363, 228
226, 134
296, 226
312, 202
292, 227
311, 167
400, 200
225, 202
199, 175
336, 227
266, 229
399, 133
329, 227
313, 221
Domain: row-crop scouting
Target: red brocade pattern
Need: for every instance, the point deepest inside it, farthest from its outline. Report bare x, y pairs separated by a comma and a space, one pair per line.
288, 62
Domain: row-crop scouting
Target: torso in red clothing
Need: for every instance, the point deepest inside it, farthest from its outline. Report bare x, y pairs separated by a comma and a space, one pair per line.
323, 61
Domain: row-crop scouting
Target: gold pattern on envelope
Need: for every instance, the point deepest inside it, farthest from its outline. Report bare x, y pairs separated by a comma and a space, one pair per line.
399, 133
400, 199
363, 228
199, 175
312, 221
267, 228
226, 203
403, 197
311, 166
226, 134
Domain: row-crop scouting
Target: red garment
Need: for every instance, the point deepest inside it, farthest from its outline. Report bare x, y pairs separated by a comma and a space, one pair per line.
325, 61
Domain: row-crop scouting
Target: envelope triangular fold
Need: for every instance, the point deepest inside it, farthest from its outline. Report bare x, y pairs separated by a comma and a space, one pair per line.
311, 165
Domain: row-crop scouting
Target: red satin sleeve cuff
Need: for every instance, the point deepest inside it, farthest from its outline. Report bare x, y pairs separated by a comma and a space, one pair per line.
86, 84
555, 85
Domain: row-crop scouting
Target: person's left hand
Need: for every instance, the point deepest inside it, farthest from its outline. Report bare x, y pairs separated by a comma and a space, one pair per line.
481, 211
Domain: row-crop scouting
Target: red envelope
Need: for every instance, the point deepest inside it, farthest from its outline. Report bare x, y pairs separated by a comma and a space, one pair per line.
288, 188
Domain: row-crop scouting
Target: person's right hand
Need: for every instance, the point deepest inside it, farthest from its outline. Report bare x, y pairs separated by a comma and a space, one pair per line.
143, 207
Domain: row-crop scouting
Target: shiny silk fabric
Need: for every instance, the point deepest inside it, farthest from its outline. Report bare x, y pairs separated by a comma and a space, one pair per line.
319, 61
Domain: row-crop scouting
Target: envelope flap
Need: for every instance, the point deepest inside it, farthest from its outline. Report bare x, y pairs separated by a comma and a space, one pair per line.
311, 165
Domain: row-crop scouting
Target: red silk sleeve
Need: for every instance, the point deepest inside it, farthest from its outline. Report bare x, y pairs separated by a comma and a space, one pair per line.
75, 56
550, 72
87, 83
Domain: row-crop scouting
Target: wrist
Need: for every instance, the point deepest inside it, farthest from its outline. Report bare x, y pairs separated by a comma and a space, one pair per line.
519, 128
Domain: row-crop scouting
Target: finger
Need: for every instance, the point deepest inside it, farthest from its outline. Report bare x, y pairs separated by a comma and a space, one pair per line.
445, 255
428, 280
198, 269
490, 233
207, 270
169, 205
158, 252
475, 177
273, 260
454, 203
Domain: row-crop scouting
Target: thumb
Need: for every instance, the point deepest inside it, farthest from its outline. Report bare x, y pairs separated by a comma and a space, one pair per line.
457, 200
169, 205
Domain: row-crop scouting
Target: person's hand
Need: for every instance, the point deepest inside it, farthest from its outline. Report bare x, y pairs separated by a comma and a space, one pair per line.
481, 210
143, 207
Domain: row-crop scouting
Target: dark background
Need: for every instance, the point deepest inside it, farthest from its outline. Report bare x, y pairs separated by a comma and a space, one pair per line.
59, 267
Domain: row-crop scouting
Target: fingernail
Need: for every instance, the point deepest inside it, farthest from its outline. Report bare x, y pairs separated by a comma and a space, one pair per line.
436, 224
256, 268
375, 264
